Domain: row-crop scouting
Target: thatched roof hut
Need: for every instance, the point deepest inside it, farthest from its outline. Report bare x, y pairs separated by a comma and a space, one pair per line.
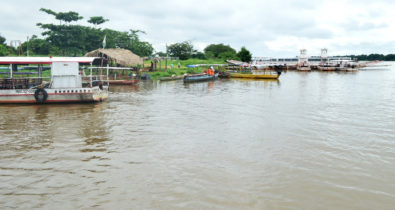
118, 56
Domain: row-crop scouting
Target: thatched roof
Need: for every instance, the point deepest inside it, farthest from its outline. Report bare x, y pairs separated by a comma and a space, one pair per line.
121, 57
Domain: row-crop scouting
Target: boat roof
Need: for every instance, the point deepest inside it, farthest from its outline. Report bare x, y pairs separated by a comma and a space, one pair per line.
44, 60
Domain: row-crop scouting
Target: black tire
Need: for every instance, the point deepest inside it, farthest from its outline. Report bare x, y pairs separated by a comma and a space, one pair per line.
40, 95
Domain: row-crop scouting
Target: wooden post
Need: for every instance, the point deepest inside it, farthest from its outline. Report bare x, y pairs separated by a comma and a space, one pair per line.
11, 71
91, 74
108, 83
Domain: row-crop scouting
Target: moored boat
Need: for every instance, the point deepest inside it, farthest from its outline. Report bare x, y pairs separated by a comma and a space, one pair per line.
123, 82
254, 76
199, 77
65, 84
257, 74
174, 77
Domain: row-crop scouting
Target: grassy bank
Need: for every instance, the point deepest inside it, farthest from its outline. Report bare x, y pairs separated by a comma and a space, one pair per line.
167, 72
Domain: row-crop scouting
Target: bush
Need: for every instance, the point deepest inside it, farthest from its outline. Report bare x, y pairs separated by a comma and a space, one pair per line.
3, 50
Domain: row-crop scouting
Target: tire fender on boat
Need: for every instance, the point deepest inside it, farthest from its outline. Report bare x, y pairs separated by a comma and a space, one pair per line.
40, 95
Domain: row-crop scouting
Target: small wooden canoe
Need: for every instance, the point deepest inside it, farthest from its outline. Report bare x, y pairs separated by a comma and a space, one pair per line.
171, 78
254, 76
199, 77
123, 82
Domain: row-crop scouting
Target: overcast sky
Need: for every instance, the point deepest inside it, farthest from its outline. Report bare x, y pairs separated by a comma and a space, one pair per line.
266, 28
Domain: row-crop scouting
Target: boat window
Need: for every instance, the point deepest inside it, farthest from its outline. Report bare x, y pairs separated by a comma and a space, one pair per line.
56, 91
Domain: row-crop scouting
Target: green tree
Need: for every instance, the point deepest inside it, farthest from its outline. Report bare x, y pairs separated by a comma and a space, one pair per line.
183, 50
39, 46
63, 16
199, 55
390, 57
2, 40
128, 40
244, 55
70, 39
214, 50
3, 50
228, 55
97, 20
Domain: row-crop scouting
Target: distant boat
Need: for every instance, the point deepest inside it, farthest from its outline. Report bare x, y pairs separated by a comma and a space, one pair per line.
199, 77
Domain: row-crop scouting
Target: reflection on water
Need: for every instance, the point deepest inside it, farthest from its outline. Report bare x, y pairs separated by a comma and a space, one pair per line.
308, 140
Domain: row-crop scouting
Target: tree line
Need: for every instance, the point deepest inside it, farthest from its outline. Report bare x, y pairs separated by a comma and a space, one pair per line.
69, 39
185, 50
374, 57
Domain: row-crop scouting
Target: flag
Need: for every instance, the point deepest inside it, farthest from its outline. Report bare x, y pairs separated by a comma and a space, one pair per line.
104, 42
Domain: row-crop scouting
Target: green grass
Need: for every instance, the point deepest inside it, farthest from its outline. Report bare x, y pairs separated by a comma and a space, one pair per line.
162, 72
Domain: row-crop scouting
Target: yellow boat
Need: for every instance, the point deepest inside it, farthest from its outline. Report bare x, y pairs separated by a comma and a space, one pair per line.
254, 76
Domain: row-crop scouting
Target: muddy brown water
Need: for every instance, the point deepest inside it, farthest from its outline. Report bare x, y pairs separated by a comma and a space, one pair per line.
307, 141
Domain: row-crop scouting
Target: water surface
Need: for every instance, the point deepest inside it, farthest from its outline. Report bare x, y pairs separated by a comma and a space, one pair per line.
307, 141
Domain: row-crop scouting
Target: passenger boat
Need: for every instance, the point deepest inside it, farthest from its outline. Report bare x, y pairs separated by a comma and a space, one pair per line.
199, 77
66, 83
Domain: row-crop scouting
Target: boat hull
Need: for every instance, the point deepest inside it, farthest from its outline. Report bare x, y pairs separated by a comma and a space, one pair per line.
171, 78
199, 78
58, 95
123, 82
254, 76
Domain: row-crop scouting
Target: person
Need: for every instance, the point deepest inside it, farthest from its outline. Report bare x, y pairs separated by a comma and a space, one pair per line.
212, 71
152, 66
171, 66
179, 65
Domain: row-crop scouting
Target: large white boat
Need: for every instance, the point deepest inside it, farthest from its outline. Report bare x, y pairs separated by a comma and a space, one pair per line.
66, 83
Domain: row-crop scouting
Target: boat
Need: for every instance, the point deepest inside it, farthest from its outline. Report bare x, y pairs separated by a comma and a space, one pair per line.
171, 78
123, 82
199, 77
66, 83
267, 74
254, 76
303, 68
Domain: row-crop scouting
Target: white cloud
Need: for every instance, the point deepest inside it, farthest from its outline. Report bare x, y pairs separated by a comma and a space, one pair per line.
266, 28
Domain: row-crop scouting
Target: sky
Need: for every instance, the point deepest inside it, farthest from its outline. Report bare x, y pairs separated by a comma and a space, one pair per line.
266, 28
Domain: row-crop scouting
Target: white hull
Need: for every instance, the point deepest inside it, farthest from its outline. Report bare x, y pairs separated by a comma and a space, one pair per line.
55, 95
303, 68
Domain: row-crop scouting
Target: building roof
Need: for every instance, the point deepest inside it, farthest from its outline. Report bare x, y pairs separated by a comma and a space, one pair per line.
121, 57
44, 60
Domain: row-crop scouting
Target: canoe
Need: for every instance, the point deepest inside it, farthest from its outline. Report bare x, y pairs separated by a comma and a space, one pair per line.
254, 76
199, 77
123, 82
171, 78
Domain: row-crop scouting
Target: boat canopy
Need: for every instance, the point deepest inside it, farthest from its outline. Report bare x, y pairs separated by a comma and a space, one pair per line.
45, 60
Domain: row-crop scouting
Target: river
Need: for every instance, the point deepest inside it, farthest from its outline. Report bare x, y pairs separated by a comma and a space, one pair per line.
311, 140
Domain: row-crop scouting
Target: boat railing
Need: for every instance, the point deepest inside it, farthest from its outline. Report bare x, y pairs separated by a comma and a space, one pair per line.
21, 83
106, 73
